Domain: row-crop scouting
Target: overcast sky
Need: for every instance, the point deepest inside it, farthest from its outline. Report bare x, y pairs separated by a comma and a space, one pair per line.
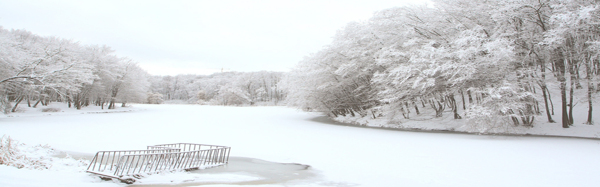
196, 37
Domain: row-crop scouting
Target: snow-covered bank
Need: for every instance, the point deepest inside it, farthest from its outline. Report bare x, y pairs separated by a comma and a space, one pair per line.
40, 165
57, 108
427, 122
337, 155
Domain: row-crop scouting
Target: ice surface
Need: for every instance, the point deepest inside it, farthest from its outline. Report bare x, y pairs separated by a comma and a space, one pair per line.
338, 155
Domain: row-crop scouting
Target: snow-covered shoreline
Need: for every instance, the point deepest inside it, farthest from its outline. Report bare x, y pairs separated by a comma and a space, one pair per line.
58, 108
442, 125
425, 122
592, 132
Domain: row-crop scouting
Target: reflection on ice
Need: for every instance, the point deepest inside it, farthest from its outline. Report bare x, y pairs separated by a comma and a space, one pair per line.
271, 172
260, 172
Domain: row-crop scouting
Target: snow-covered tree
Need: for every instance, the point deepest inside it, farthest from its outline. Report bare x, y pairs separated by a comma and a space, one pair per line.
406, 57
53, 69
574, 38
257, 87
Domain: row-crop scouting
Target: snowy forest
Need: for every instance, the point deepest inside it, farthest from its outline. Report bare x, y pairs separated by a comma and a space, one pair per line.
490, 62
493, 63
450, 93
227, 88
37, 70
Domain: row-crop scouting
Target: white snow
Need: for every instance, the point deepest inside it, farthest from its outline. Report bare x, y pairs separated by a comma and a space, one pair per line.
338, 155
427, 122
41, 168
181, 177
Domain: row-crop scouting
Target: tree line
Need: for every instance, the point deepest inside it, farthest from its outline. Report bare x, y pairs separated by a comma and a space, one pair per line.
496, 61
492, 62
227, 88
38, 70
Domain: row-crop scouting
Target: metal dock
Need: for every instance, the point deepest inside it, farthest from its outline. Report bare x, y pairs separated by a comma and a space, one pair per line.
129, 164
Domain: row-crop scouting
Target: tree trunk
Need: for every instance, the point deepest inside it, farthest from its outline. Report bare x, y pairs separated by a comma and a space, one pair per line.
404, 113
40, 100
46, 101
589, 95
113, 95
454, 106
36, 103
537, 107
77, 102
550, 99
571, 104
513, 118
463, 100
111, 105
559, 64
544, 90
563, 97
14, 109
416, 108
572, 84
588, 71
439, 108
334, 114
470, 98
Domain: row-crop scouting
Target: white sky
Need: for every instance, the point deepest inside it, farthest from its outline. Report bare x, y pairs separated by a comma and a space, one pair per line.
196, 37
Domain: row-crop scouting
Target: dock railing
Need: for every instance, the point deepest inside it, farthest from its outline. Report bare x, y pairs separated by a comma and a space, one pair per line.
157, 158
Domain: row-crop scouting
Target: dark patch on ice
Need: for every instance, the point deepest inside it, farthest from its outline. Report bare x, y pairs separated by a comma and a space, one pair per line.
74, 155
269, 172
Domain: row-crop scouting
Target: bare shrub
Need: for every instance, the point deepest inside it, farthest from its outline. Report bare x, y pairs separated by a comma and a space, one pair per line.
11, 155
51, 110
9, 151
155, 98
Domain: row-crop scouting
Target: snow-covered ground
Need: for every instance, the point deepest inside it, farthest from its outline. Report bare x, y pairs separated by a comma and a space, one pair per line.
426, 121
338, 155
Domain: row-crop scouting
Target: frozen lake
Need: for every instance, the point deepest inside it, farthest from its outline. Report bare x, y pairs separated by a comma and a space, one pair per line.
288, 140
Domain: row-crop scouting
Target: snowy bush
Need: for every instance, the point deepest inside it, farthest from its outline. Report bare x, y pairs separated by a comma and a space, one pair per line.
214, 101
19, 155
8, 151
229, 95
502, 110
155, 98
51, 110
484, 120
5, 106
11, 155
200, 97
